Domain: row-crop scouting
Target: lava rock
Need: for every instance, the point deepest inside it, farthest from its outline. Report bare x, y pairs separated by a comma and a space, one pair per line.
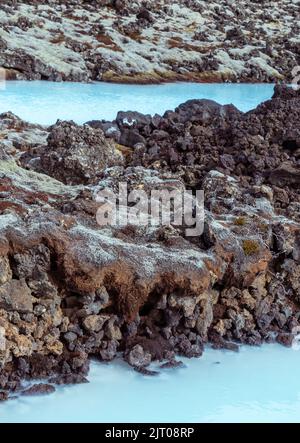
137, 357
77, 154
39, 389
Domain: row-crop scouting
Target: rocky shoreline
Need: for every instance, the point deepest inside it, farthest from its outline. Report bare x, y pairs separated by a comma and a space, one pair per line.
149, 41
71, 290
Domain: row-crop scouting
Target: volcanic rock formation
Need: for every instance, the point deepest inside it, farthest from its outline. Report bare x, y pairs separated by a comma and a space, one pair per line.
167, 40
71, 289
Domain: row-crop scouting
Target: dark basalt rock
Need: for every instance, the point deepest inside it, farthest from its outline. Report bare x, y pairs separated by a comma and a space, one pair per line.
130, 138
77, 154
219, 343
172, 364
285, 339
236, 34
3, 396
39, 389
69, 379
284, 175
144, 371
138, 358
145, 15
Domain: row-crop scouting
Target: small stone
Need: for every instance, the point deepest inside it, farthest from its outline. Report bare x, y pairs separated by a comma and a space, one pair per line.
113, 331
110, 352
195, 351
70, 336
218, 342
2, 339
231, 346
167, 332
69, 379
39, 389
144, 14
187, 304
169, 355
137, 357
95, 323
171, 364
39, 310
145, 371
162, 303
285, 339
16, 296
3, 395
5, 271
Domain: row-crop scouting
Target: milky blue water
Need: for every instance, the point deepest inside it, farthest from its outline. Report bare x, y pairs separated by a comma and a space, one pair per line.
44, 102
257, 384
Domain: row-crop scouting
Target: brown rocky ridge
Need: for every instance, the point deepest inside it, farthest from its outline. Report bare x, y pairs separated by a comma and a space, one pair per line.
71, 289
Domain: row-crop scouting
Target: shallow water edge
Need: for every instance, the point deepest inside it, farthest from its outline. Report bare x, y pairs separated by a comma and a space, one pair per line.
257, 384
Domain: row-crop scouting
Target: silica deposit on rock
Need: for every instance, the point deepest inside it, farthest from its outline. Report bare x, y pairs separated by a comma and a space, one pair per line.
70, 289
149, 41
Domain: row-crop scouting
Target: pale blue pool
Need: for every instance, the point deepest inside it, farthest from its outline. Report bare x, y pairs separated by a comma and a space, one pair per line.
45, 102
258, 384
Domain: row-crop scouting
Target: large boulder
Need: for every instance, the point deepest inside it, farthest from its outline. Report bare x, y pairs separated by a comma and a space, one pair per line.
78, 154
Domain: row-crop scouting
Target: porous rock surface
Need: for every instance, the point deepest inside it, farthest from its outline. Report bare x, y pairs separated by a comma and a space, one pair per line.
71, 289
149, 41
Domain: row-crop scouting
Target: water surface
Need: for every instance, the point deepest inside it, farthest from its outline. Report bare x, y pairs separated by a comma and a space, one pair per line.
45, 102
258, 384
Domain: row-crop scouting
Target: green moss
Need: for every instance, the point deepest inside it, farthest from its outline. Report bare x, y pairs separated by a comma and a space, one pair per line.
137, 78
250, 247
35, 181
263, 227
240, 221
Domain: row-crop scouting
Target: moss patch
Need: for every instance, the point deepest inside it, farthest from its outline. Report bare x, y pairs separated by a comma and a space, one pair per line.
240, 221
250, 247
32, 180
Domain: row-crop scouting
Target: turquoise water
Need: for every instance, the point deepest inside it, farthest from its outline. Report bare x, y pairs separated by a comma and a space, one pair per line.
259, 384
44, 102
256, 384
